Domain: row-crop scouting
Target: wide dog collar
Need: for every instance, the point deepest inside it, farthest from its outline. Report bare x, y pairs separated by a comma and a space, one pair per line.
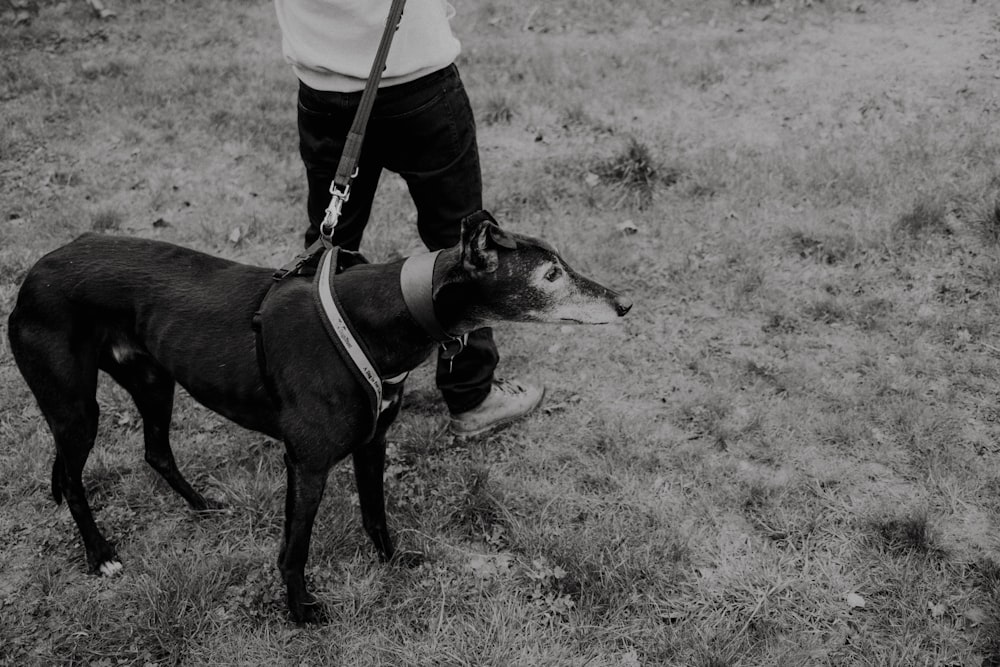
346, 340
417, 282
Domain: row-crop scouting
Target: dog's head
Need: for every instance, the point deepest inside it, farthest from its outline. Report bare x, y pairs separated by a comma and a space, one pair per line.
520, 278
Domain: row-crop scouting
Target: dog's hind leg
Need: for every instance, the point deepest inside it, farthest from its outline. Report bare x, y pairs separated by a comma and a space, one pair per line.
74, 427
152, 389
63, 378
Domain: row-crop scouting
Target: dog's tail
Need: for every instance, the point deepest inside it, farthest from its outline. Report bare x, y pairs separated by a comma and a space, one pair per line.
57, 475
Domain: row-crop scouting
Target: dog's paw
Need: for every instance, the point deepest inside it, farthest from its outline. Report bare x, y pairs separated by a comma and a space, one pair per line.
109, 568
311, 612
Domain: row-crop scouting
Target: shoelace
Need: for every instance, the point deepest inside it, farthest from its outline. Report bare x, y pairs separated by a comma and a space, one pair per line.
508, 387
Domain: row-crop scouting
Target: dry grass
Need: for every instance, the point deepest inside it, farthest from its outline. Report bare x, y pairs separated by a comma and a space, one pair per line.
786, 455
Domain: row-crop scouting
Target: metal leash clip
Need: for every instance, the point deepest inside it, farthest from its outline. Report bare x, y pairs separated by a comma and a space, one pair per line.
337, 199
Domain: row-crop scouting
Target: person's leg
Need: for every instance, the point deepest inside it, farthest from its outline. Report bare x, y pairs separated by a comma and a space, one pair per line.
324, 119
426, 133
466, 379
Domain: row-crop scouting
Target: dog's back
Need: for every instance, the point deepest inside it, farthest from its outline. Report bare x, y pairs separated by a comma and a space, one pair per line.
116, 274
111, 302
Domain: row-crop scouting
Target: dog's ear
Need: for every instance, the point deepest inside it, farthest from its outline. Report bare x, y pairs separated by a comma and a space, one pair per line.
481, 237
500, 237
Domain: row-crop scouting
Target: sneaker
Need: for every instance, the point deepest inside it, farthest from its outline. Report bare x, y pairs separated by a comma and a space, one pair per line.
507, 401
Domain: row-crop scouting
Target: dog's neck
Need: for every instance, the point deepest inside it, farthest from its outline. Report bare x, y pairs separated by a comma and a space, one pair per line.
455, 295
372, 300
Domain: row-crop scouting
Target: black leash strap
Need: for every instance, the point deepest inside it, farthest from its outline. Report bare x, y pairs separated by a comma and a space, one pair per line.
340, 188
347, 168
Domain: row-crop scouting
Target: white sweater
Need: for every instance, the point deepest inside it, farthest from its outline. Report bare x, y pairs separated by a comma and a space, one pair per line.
331, 43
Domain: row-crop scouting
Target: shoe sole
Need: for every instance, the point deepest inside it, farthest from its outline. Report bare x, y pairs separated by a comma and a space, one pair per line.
465, 435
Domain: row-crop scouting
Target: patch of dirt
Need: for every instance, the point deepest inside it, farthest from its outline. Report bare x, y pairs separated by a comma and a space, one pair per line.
913, 51
817, 77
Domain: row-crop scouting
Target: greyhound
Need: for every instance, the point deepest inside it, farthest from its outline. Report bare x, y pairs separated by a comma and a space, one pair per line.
151, 314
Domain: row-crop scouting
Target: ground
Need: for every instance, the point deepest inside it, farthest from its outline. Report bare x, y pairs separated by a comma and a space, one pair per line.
787, 453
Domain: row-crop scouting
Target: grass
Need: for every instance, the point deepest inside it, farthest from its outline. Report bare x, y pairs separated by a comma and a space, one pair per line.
799, 414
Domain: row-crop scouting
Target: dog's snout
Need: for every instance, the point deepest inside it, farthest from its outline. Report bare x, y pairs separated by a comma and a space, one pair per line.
622, 305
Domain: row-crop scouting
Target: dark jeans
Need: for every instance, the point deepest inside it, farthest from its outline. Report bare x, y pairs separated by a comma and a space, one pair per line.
424, 131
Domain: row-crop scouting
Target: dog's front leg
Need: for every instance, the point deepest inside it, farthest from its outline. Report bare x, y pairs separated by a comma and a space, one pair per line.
369, 465
369, 469
305, 491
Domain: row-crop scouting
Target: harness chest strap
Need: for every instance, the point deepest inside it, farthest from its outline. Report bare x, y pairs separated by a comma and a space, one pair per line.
341, 330
345, 339
416, 278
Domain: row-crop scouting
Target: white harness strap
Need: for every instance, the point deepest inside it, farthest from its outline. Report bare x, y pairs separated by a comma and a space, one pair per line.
344, 333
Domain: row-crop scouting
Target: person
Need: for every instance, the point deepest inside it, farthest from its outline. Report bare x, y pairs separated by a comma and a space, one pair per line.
421, 128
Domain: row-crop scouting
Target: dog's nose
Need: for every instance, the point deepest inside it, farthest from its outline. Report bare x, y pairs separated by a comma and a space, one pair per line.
622, 305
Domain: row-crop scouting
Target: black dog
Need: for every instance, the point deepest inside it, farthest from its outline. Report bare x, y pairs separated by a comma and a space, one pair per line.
151, 314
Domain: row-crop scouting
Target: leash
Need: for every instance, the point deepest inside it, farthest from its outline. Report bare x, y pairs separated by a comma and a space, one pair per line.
416, 276
340, 189
347, 167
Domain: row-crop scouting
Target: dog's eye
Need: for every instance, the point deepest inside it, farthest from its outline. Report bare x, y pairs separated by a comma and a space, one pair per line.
553, 274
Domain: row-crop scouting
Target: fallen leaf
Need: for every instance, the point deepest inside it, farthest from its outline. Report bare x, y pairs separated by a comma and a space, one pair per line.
672, 616
975, 616
482, 567
100, 10
628, 227
936, 610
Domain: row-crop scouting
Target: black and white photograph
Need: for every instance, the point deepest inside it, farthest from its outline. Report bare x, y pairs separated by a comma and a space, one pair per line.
490, 333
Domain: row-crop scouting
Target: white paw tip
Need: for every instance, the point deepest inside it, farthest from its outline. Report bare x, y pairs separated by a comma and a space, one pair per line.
110, 568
